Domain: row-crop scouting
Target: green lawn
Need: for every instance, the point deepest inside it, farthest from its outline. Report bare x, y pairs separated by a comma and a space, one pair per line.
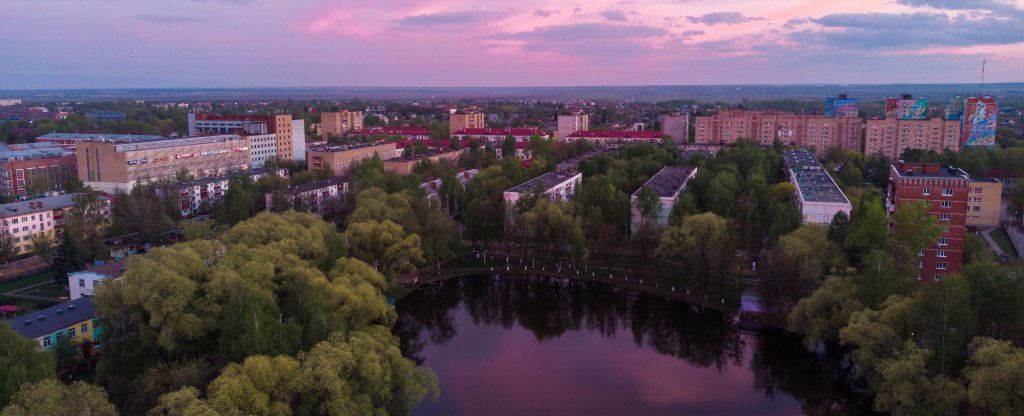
50, 290
1003, 240
26, 281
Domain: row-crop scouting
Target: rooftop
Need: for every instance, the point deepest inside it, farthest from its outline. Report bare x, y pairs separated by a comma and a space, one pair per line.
800, 158
334, 148
212, 179
991, 180
103, 137
420, 156
46, 321
402, 131
928, 170
543, 182
501, 132
24, 151
306, 187
816, 185
668, 181
37, 205
188, 141
617, 134
113, 269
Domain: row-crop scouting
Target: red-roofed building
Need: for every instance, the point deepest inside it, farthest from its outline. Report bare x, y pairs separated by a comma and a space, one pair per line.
614, 137
522, 151
498, 135
407, 133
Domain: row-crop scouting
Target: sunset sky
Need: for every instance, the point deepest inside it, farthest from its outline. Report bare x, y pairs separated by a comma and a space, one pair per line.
265, 43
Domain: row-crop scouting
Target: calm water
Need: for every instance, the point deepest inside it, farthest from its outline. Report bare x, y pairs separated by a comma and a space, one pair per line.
516, 346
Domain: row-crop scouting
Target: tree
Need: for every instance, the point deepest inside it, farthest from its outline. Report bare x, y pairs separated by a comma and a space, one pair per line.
870, 228
86, 221
873, 335
239, 200
21, 363
42, 246
703, 245
995, 376
647, 203
839, 228
820, 316
881, 277
913, 228
508, 147
6, 245
385, 245
51, 397
66, 258
908, 389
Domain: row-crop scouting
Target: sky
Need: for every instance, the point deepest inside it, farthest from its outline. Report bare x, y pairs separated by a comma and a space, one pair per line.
50, 44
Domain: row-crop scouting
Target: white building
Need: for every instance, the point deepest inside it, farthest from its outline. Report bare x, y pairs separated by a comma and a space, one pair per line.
299, 139
667, 184
497, 136
555, 186
817, 194
312, 197
5, 102
262, 147
200, 195
83, 283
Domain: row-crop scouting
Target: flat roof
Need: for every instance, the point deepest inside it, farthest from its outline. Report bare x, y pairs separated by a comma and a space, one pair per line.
229, 175
800, 158
941, 172
544, 182
992, 180
334, 148
103, 137
668, 181
188, 141
46, 321
817, 186
113, 269
421, 156
617, 134
37, 205
24, 151
323, 183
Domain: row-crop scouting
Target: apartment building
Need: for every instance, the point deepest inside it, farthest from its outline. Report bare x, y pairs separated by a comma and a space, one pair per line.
614, 138
496, 136
891, 136
111, 166
555, 186
69, 140
571, 123
199, 196
979, 122
312, 197
676, 126
299, 140
337, 123
279, 125
468, 120
381, 133
985, 202
945, 190
35, 168
342, 158
73, 320
817, 194
764, 127
84, 283
262, 147
404, 165
667, 184
23, 220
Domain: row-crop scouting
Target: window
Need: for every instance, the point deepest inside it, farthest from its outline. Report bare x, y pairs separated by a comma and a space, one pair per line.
71, 332
60, 336
940, 265
85, 327
976, 209
947, 192
977, 199
943, 241
920, 252
943, 217
947, 204
920, 264
939, 276
81, 282
46, 342
926, 191
977, 190
941, 253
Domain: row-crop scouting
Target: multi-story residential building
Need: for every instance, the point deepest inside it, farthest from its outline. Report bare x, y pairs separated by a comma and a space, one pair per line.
315, 197
842, 106
765, 127
69, 140
405, 164
906, 108
985, 201
37, 217
83, 283
433, 186
496, 136
262, 147
613, 138
337, 123
199, 196
978, 123
110, 166
817, 194
73, 320
523, 151
35, 168
299, 140
945, 191
676, 126
667, 184
279, 125
555, 186
107, 115
381, 133
571, 123
890, 137
468, 120
342, 158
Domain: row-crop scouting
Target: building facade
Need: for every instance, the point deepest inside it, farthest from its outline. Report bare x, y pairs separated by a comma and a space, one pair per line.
817, 194
555, 186
469, 120
985, 202
613, 138
84, 283
842, 106
496, 136
262, 147
43, 217
342, 158
35, 168
381, 133
906, 108
73, 320
337, 123
110, 166
676, 126
278, 124
945, 191
765, 127
315, 197
890, 137
978, 123
667, 184
571, 123
199, 196
299, 140
405, 164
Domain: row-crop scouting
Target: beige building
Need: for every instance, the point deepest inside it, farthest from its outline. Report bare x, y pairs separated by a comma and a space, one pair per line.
342, 158
984, 200
110, 166
471, 120
277, 124
891, 136
764, 127
405, 165
676, 126
337, 123
571, 123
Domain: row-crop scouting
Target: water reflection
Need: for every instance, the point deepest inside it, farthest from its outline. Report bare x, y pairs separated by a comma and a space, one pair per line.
542, 346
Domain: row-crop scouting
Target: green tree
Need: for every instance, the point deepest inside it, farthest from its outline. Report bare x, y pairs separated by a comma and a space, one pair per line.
385, 245
820, 316
53, 398
703, 245
508, 147
42, 246
839, 228
21, 362
995, 376
66, 259
647, 203
908, 389
870, 228
239, 200
880, 277
913, 229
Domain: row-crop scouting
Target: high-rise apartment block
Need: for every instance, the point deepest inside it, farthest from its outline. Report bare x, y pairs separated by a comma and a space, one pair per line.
469, 120
764, 127
842, 106
891, 136
571, 123
676, 126
337, 123
978, 123
906, 108
945, 191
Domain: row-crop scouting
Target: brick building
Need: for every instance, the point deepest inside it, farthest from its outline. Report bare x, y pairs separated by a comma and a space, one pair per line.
342, 158
470, 120
891, 136
337, 123
764, 127
279, 125
404, 165
613, 138
496, 136
945, 190
676, 126
380, 133
35, 168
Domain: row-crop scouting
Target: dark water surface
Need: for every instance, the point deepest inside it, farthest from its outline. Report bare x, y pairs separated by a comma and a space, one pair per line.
520, 346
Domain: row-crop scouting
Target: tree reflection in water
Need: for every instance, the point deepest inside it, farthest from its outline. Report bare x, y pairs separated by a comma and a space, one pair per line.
550, 308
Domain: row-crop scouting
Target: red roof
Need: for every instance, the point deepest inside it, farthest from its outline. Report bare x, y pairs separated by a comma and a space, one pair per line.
616, 134
501, 132
522, 145
428, 142
400, 131
10, 308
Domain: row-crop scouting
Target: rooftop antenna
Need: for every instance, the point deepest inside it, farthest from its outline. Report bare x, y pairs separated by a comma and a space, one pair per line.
981, 93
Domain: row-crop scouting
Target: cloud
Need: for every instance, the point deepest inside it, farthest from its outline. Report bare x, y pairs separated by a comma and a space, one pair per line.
545, 12
587, 39
447, 19
168, 19
995, 6
726, 18
692, 33
910, 30
614, 15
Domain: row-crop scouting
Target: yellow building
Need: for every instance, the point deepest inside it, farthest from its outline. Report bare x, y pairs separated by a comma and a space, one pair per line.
405, 165
471, 120
337, 123
341, 158
73, 321
984, 201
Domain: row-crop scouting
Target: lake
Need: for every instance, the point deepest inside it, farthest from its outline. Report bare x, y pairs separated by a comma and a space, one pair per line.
504, 345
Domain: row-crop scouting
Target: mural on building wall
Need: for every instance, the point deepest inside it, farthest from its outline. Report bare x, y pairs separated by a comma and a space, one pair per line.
906, 109
842, 107
955, 108
979, 122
